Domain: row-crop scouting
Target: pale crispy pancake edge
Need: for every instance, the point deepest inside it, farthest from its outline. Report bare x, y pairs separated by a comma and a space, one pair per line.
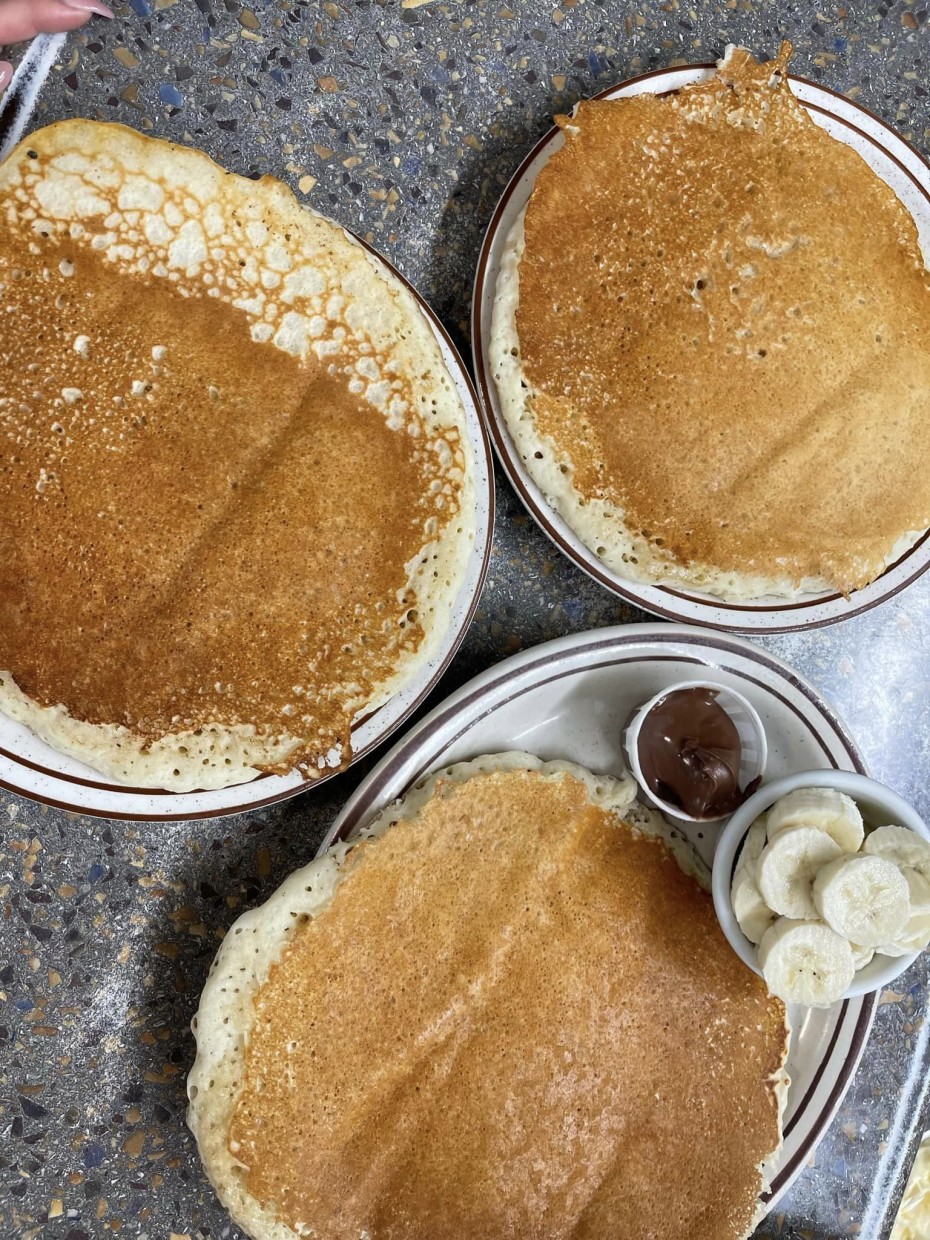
219, 756
599, 523
224, 1019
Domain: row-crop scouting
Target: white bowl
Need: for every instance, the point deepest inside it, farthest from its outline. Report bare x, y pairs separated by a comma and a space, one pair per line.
879, 807
753, 751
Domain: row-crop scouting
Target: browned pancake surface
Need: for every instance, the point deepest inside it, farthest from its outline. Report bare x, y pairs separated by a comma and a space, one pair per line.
213, 532
515, 1019
726, 316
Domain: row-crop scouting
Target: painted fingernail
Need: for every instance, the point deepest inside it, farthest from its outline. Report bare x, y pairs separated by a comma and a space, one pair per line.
6, 74
89, 6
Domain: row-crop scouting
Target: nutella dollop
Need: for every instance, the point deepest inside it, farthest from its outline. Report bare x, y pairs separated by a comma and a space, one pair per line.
689, 754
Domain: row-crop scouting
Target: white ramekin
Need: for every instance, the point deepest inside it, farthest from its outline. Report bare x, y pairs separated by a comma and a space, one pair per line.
879, 806
748, 724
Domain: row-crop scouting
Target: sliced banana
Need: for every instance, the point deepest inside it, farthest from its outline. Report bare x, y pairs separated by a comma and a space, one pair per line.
904, 847
753, 845
751, 911
861, 955
806, 962
788, 866
919, 888
915, 937
866, 899
824, 808
893, 949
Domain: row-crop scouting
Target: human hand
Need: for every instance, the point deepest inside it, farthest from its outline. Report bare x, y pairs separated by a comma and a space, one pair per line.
22, 19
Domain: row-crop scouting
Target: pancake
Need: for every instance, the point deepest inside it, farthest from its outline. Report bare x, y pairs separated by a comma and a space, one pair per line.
498, 1015
236, 486
710, 342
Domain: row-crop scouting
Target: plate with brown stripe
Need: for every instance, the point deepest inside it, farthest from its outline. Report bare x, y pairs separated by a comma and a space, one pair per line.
32, 768
569, 699
901, 167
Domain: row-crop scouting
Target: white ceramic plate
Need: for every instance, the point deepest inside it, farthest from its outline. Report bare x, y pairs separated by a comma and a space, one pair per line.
898, 164
570, 699
30, 767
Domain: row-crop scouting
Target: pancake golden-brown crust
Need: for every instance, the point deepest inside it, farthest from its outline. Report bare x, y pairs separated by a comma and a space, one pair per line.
724, 319
210, 501
507, 1023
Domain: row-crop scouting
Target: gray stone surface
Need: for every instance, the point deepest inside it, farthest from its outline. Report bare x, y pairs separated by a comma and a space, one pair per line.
404, 124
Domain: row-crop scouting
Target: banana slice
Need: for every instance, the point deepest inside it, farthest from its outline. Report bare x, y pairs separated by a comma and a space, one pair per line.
806, 962
904, 847
919, 888
823, 808
864, 898
752, 913
753, 845
861, 955
788, 866
893, 949
915, 938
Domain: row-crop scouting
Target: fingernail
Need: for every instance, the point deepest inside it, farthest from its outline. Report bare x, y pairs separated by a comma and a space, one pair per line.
6, 74
89, 6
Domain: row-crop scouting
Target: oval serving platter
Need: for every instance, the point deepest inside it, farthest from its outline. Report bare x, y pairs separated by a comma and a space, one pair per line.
33, 769
570, 699
901, 167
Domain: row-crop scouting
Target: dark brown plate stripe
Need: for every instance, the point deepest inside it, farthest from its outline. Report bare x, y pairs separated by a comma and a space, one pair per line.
843, 1080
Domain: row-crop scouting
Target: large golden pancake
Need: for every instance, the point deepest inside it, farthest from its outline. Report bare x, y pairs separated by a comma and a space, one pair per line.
235, 481
712, 342
509, 1014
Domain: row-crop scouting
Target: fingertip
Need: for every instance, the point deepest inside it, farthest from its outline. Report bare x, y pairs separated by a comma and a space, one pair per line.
23, 19
6, 75
89, 7
59, 18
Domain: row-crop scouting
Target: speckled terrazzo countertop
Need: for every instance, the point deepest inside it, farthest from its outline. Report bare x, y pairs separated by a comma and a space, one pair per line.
403, 121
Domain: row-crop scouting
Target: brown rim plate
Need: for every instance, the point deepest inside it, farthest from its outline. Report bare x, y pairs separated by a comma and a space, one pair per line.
33, 769
908, 174
569, 699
